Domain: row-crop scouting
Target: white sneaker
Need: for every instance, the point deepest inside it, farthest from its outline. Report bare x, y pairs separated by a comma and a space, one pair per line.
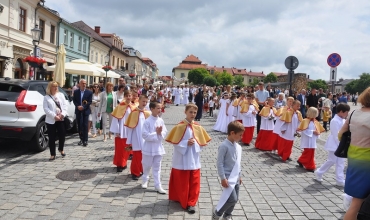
160, 190
340, 184
144, 185
318, 177
346, 201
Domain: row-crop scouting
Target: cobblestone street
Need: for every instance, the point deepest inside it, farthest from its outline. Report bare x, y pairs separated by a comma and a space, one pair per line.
271, 189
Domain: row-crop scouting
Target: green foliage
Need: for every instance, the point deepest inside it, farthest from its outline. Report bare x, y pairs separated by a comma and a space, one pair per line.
317, 84
270, 78
225, 79
196, 76
358, 85
239, 81
210, 81
254, 82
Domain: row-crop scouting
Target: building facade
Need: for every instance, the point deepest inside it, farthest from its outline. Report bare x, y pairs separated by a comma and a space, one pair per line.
135, 64
190, 62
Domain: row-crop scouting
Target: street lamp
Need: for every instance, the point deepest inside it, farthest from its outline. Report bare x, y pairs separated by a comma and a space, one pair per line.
36, 35
106, 59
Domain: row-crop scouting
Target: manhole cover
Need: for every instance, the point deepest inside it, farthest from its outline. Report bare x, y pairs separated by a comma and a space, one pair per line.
76, 175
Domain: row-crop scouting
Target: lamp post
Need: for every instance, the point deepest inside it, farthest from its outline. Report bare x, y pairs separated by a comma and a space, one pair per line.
106, 59
36, 35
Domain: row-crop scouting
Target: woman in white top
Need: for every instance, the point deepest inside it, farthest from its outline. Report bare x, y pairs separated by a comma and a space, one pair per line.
119, 93
55, 108
108, 101
95, 108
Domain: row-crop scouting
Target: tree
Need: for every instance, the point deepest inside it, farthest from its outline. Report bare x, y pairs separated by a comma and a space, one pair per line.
351, 87
317, 84
210, 81
270, 78
358, 85
254, 82
225, 79
196, 76
239, 81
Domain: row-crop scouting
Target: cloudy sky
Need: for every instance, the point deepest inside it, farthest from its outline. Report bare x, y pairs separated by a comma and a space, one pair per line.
253, 34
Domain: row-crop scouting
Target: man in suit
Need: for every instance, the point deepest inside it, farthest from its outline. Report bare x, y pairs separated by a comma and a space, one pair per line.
82, 99
302, 98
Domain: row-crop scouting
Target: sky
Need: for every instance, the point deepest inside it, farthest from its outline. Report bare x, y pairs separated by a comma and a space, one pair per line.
256, 35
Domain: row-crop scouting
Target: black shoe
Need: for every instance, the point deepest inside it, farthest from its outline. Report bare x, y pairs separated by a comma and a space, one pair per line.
119, 169
85, 143
246, 144
191, 209
123, 168
134, 177
312, 171
130, 157
52, 158
299, 164
289, 159
177, 105
63, 154
80, 143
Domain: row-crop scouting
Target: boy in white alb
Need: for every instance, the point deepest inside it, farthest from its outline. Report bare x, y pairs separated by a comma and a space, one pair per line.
268, 114
332, 144
248, 112
153, 133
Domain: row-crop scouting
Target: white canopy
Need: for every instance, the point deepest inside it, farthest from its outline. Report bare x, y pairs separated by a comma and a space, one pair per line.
81, 67
110, 74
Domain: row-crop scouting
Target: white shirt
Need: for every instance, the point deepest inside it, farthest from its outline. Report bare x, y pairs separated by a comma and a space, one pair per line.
308, 138
186, 157
50, 107
118, 125
153, 142
134, 136
248, 118
335, 125
290, 128
211, 103
266, 124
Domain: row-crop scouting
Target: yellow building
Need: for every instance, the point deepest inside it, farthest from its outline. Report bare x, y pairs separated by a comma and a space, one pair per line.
189, 63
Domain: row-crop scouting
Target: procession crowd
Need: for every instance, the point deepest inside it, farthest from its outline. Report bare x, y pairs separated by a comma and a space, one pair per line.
134, 114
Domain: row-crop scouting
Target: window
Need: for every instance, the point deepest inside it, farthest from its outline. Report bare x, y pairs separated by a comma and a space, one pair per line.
71, 40
22, 19
52, 34
92, 56
212, 72
101, 59
126, 66
66, 37
79, 43
182, 75
42, 28
117, 63
113, 60
250, 80
96, 57
84, 45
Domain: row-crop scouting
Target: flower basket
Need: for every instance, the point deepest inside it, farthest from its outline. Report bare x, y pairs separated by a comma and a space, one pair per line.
132, 75
106, 68
144, 79
34, 61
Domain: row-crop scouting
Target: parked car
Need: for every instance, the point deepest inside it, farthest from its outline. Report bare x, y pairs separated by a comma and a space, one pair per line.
22, 116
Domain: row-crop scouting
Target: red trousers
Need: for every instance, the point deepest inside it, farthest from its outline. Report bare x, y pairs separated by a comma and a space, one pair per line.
264, 140
136, 166
285, 148
274, 140
184, 187
120, 154
248, 135
307, 159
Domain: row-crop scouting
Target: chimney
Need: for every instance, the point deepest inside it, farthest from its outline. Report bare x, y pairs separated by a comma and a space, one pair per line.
308, 76
222, 67
97, 29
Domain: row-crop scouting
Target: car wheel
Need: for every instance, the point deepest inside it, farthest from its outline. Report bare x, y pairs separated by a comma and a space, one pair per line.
41, 138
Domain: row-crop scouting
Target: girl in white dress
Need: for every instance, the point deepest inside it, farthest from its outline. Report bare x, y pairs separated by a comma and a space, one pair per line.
94, 109
221, 123
230, 110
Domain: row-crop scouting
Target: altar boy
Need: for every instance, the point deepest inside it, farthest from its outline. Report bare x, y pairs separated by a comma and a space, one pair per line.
268, 114
229, 168
135, 123
291, 119
153, 133
248, 112
188, 138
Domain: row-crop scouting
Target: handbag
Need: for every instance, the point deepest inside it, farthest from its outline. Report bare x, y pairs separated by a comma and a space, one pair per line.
67, 123
345, 141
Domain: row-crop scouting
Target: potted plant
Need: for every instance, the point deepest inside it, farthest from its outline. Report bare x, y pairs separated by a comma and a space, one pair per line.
106, 68
132, 75
34, 61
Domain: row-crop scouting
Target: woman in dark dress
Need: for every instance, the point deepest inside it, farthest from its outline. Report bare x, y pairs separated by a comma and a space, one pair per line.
199, 102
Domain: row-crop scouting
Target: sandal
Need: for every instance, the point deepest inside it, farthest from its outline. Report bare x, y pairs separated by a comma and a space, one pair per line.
52, 158
94, 136
62, 153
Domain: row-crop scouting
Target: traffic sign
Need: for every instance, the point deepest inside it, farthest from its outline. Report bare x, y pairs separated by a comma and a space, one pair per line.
333, 74
334, 60
291, 62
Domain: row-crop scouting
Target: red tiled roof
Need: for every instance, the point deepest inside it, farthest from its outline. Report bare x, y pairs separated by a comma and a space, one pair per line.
192, 59
259, 74
166, 78
220, 69
105, 35
279, 74
188, 66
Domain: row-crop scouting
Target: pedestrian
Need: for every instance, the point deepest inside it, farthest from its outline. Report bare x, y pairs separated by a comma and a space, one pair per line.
230, 110
248, 111
135, 123
326, 116
236, 104
154, 131
358, 170
268, 114
310, 130
108, 102
119, 117
55, 108
281, 108
211, 105
188, 138
82, 99
229, 170
177, 93
331, 146
186, 93
291, 119
343, 98
261, 96
302, 98
220, 124
198, 99
95, 110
